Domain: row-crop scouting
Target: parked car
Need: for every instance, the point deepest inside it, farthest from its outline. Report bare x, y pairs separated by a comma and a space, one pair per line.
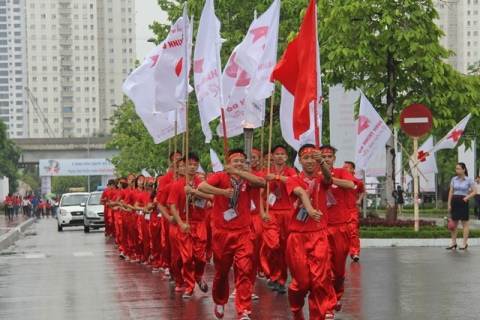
93, 212
70, 210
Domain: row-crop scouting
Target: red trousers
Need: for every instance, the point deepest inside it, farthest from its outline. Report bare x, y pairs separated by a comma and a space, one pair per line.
257, 233
232, 247
339, 241
132, 235
308, 259
156, 222
107, 220
143, 238
354, 226
192, 251
272, 252
165, 243
176, 258
119, 234
208, 222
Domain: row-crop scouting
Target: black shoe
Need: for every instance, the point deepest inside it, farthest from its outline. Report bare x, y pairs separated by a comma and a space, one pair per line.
282, 289
464, 248
356, 258
452, 247
273, 285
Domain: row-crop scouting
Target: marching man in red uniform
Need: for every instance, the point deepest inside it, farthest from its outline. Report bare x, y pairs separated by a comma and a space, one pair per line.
191, 234
354, 201
338, 232
307, 252
275, 232
231, 233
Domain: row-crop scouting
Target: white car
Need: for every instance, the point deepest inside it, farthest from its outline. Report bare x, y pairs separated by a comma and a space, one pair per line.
93, 214
70, 210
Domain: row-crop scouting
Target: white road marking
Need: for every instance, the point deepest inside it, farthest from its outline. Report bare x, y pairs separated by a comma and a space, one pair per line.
83, 254
35, 256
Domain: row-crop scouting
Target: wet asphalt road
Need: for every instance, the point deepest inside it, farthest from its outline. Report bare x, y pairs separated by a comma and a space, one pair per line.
73, 275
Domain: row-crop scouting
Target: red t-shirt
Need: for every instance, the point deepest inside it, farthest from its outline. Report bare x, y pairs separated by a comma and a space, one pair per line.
131, 196
353, 194
255, 194
279, 189
142, 198
338, 211
10, 202
196, 209
165, 180
105, 195
221, 204
319, 197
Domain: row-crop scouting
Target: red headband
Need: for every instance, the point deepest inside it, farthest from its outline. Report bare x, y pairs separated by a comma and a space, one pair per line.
173, 156
236, 154
347, 166
280, 149
192, 160
131, 176
268, 154
122, 181
179, 162
327, 150
257, 152
307, 150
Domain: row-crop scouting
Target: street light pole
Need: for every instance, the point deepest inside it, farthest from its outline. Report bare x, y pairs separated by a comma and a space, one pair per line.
88, 151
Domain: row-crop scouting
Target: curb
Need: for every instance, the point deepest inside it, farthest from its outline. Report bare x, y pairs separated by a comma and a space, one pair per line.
13, 235
385, 243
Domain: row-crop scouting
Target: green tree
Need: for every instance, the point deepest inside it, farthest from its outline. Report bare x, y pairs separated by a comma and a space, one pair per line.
391, 50
63, 184
10, 154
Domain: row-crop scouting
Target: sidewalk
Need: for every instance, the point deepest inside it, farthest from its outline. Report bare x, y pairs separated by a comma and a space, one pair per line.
11, 231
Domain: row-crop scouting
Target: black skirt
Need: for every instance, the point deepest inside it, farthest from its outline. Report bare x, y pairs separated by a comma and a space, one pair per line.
459, 209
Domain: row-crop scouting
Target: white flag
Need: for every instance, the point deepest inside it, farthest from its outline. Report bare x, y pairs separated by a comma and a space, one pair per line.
169, 74
451, 139
257, 55
234, 81
216, 163
426, 158
206, 68
372, 133
140, 88
200, 169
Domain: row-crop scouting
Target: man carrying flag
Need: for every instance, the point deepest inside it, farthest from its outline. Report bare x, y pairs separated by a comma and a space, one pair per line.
231, 233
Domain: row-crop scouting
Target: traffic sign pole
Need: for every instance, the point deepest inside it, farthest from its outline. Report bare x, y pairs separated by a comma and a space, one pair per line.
415, 183
416, 120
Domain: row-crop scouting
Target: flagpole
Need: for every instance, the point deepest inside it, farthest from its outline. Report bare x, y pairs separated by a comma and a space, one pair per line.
224, 124
272, 98
262, 138
186, 30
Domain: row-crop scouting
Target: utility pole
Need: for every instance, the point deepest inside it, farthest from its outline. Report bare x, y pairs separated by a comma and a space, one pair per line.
88, 151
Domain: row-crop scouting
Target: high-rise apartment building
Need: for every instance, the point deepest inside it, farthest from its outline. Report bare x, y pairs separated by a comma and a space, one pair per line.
78, 54
460, 21
13, 68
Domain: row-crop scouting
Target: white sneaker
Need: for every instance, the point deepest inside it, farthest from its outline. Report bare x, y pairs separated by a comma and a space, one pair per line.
218, 311
255, 297
166, 275
233, 294
245, 316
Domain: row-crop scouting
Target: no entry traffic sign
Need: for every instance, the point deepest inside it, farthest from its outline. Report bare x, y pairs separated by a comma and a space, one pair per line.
416, 120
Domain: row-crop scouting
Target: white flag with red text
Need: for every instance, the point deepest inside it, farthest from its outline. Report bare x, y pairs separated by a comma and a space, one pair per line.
140, 88
372, 134
257, 55
216, 163
234, 81
451, 139
206, 68
426, 158
170, 76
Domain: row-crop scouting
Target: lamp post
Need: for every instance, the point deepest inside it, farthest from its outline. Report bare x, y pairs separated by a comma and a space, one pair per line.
88, 151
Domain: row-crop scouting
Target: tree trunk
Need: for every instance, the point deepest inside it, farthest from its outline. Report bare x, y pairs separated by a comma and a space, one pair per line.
391, 208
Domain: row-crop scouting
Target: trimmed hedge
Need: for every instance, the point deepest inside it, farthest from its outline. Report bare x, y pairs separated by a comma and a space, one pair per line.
378, 228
